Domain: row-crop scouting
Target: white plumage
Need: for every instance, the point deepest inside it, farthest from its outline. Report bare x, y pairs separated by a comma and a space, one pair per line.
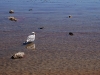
31, 37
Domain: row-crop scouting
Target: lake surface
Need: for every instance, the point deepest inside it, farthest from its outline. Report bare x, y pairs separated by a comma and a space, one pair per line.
54, 52
51, 14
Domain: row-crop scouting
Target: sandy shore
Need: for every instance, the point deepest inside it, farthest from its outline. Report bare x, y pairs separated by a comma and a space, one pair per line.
54, 52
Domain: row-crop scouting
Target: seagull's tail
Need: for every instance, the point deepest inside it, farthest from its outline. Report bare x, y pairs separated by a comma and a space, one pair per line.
26, 41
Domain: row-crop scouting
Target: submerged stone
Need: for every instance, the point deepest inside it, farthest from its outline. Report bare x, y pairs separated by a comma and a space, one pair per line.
30, 9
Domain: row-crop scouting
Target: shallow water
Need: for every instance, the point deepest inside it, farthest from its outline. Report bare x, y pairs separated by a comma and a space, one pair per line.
51, 14
54, 51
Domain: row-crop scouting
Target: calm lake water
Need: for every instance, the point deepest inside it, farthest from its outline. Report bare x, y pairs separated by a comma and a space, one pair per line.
54, 52
51, 14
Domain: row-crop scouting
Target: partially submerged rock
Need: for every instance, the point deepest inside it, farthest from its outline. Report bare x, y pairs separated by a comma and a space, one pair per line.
30, 9
70, 16
41, 28
11, 11
12, 18
18, 55
70, 33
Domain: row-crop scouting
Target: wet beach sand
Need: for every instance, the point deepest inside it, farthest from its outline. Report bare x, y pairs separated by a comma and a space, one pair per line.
56, 52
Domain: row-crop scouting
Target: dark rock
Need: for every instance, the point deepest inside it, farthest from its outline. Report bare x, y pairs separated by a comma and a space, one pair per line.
41, 28
70, 33
70, 16
30, 9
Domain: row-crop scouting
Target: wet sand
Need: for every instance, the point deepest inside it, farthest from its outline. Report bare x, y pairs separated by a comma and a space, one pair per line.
55, 52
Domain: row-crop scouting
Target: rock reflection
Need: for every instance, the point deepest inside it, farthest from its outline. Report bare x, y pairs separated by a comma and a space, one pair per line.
30, 46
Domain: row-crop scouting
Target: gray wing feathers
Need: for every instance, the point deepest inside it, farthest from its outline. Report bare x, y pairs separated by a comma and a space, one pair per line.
30, 38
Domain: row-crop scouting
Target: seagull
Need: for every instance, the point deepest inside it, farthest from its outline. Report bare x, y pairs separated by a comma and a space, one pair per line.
31, 38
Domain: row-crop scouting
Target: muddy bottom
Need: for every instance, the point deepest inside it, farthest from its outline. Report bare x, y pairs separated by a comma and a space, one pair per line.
55, 53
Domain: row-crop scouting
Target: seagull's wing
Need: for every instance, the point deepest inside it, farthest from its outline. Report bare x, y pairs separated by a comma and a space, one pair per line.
30, 38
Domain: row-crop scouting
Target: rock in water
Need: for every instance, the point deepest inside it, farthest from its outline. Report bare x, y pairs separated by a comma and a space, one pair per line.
70, 16
30, 9
12, 18
18, 55
70, 33
11, 11
41, 28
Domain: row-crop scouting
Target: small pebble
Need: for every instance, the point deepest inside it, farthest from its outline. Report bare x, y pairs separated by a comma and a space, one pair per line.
18, 55
70, 33
41, 28
70, 16
11, 11
30, 9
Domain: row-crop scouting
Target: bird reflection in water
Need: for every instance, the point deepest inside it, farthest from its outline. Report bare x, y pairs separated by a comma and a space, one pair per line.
30, 46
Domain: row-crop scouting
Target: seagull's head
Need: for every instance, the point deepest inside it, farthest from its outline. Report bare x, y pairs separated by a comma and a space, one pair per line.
33, 33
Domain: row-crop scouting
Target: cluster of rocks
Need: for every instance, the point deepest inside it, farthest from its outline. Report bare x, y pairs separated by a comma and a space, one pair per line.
22, 54
12, 18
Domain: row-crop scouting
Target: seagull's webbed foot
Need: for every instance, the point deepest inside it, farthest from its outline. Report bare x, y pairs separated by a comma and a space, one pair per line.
24, 43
